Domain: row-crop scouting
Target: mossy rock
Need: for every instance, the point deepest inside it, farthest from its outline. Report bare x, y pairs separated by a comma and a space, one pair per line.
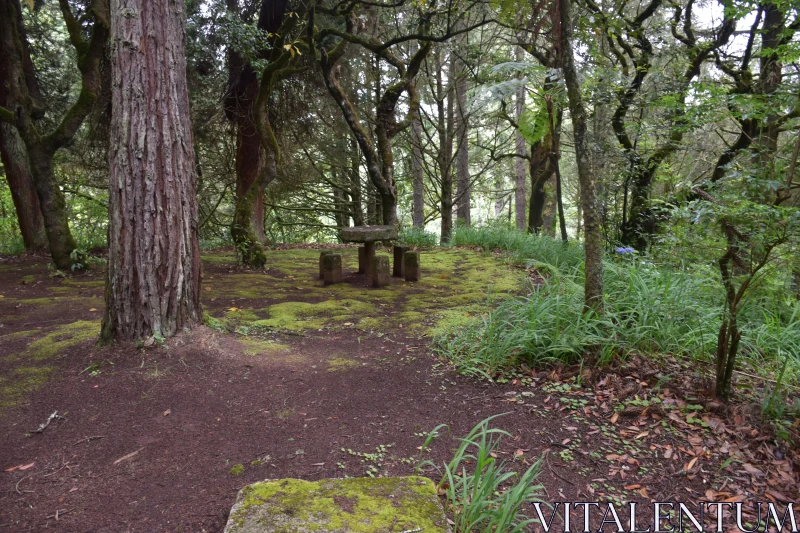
354, 505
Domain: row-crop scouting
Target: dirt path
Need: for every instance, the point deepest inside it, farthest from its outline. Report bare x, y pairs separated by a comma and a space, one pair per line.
313, 382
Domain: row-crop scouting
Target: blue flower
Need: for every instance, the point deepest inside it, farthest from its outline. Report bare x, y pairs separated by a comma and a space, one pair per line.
626, 250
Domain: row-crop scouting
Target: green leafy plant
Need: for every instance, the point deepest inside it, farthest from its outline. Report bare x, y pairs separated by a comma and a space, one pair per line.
482, 494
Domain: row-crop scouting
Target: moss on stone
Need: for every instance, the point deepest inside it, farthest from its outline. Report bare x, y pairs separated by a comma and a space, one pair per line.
237, 469
355, 505
27, 279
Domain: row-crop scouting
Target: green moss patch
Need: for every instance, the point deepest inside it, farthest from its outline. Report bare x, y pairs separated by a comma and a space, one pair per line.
20, 382
341, 363
454, 282
60, 339
303, 315
260, 347
356, 505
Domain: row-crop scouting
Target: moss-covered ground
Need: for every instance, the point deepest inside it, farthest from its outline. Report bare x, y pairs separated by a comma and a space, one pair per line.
45, 315
288, 296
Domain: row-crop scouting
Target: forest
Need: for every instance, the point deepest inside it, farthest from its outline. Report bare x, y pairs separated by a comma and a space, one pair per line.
601, 196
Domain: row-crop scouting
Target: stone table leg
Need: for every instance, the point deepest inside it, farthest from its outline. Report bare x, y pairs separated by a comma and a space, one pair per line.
369, 257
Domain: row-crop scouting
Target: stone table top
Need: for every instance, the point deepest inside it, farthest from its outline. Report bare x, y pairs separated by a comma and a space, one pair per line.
368, 233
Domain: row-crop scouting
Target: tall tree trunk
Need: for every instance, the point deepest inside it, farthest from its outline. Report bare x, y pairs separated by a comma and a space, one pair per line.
22, 106
153, 285
463, 193
593, 268
541, 170
499, 197
444, 127
355, 182
418, 210
256, 165
519, 164
53, 206
23, 191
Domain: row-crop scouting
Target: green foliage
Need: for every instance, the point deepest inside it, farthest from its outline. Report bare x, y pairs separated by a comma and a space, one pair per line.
522, 247
10, 237
418, 237
482, 494
648, 310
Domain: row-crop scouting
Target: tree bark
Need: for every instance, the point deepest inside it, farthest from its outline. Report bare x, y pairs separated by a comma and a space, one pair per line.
418, 210
256, 162
153, 285
23, 191
593, 240
463, 193
519, 164
444, 128
21, 106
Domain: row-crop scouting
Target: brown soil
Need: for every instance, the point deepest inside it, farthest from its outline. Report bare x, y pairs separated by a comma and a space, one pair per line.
152, 442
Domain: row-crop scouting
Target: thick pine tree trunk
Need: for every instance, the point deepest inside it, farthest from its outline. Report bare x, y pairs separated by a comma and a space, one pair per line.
154, 254
23, 191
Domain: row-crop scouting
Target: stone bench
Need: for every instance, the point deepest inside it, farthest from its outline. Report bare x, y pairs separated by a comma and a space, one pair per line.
354, 505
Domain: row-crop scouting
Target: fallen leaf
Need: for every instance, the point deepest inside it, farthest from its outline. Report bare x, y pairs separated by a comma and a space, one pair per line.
92, 309
167, 412
615, 418
20, 467
750, 469
691, 464
234, 309
73, 489
318, 464
643, 492
641, 435
130, 455
633, 486
348, 323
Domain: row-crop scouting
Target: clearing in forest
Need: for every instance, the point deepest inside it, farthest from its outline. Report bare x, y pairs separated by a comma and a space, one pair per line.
292, 379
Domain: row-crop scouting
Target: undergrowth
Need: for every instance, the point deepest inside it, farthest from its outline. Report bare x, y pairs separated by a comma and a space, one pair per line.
649, 310
482, 494
418, 237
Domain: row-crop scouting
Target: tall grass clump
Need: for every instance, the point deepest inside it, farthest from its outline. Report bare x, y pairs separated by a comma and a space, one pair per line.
649, 310
418, 237
524, 248
482, 494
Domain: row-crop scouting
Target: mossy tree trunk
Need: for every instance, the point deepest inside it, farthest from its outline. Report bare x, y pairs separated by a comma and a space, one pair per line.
256, 161
153, 284
23, 190
22, 107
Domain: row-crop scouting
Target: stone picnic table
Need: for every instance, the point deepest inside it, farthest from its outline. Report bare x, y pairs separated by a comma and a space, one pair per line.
406, 261
368, 236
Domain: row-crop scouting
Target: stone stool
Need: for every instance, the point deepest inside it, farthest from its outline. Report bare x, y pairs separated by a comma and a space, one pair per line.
380, 271
332, 268
413, 271
322, 255
397, 265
